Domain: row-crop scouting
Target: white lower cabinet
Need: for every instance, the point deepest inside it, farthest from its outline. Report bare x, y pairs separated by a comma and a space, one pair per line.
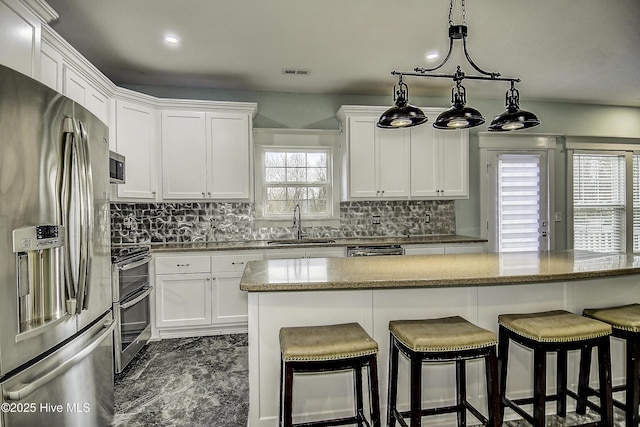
293, 253
183, 300
199, 294
450, 248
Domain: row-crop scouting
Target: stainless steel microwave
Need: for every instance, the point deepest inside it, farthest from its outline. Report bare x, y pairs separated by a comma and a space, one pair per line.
116, 168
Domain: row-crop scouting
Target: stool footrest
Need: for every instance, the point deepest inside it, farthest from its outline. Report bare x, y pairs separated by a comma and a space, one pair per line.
334, 422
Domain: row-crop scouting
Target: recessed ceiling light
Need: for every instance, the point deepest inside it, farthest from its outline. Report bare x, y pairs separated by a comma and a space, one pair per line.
171, 39
432, 55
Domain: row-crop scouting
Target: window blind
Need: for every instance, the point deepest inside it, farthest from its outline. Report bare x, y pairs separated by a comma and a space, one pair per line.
518, 202
636, 203
599, 202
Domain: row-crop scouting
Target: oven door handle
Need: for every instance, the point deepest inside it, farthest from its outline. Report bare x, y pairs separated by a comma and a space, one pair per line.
135, 264
124, 306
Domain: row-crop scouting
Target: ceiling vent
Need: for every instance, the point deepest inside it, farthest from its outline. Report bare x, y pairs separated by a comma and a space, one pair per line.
294, 72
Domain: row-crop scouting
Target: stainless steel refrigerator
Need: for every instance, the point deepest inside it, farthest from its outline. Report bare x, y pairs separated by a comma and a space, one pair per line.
56, 325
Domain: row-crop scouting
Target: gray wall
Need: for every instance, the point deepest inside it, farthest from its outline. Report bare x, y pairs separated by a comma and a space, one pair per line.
317, 111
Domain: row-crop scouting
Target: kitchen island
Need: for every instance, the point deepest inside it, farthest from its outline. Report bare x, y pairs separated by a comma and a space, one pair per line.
372, 291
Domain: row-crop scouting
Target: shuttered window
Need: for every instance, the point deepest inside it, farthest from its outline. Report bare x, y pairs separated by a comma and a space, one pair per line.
599, 207
636, 203
519, 202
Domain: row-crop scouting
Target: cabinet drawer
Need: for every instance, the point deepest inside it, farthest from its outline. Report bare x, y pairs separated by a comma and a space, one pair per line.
182, 264
232, 263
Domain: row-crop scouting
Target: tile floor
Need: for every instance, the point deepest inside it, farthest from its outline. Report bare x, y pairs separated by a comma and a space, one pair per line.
203, 382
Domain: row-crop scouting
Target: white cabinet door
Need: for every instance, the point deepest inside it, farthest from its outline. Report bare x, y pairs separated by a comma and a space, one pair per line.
183, 300
20, 34
51, 65
229, 156
439, 163
137, 140
392, 149
362, 158
454, 164
230, 303
423, 250
80, 90
325, 253
291, 253
378, 160
425, 165
184, 155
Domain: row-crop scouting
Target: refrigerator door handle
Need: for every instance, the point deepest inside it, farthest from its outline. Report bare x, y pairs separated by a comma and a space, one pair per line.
82, 174
65, 211
27, 389
87, 193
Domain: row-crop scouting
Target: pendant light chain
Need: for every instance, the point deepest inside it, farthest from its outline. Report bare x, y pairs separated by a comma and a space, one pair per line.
464, 12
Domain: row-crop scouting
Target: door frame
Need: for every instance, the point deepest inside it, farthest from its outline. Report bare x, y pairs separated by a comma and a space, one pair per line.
515, 143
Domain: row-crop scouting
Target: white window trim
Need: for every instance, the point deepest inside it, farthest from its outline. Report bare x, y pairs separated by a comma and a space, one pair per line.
290, 139
605, 145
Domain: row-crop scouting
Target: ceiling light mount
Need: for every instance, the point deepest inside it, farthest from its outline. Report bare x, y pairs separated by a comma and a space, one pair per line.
459, 116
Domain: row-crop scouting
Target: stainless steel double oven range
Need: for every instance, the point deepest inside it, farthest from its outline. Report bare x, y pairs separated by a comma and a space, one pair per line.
131, 302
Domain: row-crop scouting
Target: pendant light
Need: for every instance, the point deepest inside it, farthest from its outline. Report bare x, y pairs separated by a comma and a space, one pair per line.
513, 118
459, 116
402, 114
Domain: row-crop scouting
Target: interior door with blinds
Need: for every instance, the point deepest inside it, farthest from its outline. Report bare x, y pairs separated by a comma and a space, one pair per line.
518, 213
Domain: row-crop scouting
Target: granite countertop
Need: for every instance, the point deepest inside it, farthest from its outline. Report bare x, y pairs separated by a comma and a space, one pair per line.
320, 242
433, 270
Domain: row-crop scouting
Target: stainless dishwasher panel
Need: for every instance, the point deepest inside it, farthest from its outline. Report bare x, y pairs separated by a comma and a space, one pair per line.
355, 251
71, 387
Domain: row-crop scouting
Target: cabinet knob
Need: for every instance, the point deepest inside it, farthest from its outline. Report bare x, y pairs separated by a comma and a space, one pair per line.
153, 192
183, 265
204, 194
209, 193
237, 263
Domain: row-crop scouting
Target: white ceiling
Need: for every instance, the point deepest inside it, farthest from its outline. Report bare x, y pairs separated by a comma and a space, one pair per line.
563, 50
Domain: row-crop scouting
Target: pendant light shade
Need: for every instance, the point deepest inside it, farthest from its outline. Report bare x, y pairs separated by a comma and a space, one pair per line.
459, 116
513, 118
402, 114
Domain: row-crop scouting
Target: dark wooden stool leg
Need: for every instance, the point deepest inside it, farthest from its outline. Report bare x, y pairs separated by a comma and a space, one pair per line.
280, 419
393, 382
288, 395
561, 383
503, 362
359, 401
632, 395
583, 380
461, 394
493, 393
606, 397
539, 386
416, 390
374, 396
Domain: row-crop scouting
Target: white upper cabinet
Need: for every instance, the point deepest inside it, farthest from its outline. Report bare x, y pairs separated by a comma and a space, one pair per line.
207, 154
184, 155
377, 159
137, 139
439, 162
78, 88
20, 35
230, 155
412, 163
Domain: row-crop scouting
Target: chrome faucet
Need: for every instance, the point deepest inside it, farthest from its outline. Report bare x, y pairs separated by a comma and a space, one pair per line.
297, 222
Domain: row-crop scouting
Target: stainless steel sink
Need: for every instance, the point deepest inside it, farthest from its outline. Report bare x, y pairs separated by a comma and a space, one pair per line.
288, 242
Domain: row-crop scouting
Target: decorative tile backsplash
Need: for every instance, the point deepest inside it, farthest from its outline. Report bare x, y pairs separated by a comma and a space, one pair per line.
224, 222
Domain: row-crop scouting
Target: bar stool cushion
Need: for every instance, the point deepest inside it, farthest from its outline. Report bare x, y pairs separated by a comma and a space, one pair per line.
327, 342
625, 317
438, 335
554, 326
